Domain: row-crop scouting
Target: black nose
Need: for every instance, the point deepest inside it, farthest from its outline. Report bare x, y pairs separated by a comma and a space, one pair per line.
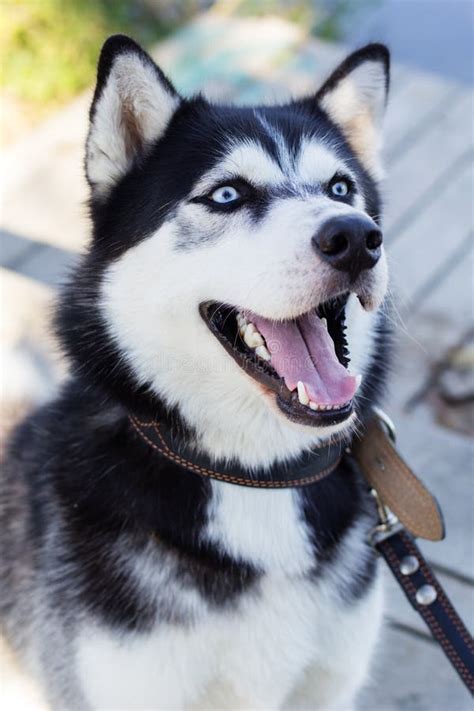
349, 243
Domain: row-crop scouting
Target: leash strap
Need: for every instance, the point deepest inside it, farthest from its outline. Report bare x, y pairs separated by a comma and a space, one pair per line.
397, 486
404, 502
427, 597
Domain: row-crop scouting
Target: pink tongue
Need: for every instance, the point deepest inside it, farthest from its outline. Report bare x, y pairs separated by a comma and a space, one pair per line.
304, 350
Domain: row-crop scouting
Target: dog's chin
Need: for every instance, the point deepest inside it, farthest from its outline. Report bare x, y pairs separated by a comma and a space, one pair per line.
300, 366
340, 430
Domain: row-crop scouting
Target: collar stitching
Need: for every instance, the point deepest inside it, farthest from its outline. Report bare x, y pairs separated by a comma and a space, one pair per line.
268, 484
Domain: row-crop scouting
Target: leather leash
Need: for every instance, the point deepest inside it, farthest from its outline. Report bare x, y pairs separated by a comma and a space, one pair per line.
406, 509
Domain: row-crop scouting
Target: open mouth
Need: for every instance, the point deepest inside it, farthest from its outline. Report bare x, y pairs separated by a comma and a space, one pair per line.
304, 361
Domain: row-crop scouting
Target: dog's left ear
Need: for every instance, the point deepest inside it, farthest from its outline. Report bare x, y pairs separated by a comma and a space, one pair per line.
132, 106
355, 98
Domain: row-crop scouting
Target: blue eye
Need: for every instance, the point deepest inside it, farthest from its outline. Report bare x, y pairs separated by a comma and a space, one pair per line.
225, 194
340, 188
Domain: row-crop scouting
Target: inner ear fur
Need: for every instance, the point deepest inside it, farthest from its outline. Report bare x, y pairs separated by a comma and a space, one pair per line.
132, 106
355, 98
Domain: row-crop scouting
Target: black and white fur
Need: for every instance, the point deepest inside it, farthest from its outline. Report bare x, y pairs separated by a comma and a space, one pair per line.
124, 586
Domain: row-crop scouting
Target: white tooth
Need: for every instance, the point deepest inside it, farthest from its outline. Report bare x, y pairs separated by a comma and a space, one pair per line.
302, 394
252, 337
313, 405
325, 321
257, 340
263, 352
358, 381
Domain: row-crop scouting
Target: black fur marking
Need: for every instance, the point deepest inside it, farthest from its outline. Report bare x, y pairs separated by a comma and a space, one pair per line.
331, 511
114, 500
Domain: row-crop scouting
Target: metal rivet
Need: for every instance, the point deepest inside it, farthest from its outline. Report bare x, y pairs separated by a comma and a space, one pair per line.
409, 565
426, 595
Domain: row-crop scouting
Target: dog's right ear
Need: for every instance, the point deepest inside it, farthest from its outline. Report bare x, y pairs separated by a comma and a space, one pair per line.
132, 106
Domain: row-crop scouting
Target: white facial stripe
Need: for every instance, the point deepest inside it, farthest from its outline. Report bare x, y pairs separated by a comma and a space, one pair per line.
284, 155
247, 160
318, 164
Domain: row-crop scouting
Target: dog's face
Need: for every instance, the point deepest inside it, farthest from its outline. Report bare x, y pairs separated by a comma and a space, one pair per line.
234, 246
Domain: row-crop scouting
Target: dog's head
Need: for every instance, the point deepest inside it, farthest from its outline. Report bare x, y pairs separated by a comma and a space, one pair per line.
232, 248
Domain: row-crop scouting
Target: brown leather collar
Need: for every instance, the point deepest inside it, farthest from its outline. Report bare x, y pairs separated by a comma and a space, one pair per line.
309, 468
393, 482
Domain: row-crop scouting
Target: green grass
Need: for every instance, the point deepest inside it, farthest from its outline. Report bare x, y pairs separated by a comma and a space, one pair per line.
49, 48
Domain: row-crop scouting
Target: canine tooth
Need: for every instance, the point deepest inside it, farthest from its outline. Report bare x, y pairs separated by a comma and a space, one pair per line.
325, 321
302, 394
358, 381
263, 353
252, 337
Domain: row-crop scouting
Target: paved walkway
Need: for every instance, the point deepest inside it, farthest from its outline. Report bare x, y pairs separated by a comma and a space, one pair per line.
429, 151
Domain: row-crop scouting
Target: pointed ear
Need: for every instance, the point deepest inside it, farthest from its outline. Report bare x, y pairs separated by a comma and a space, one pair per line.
132, 106
355, 97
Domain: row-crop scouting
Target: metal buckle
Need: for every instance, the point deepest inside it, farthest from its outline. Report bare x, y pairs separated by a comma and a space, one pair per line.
388, 523
386, 421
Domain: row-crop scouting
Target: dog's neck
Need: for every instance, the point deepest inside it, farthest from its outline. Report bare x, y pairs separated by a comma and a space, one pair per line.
244, 428
259, 440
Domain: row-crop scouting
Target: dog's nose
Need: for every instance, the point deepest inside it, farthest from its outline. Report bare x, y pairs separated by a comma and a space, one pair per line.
350, 243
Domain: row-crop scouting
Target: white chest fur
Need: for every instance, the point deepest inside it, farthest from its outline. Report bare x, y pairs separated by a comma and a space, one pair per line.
263, 527
286, 637
290, 641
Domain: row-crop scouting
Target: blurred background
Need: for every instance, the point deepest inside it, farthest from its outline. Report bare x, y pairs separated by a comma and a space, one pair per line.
49, 47
250, 50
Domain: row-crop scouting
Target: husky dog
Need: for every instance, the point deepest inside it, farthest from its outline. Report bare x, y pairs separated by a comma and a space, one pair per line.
231, 293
